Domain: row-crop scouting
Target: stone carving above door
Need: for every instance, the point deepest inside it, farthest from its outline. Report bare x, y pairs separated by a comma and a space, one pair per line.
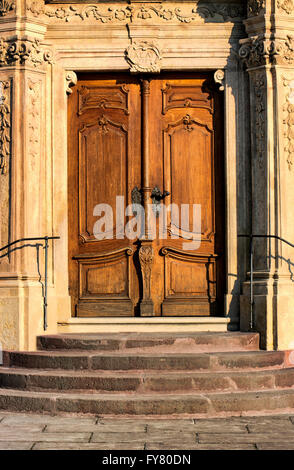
112, 13
143, 56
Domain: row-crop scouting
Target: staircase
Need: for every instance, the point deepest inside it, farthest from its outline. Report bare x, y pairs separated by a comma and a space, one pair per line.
199, 374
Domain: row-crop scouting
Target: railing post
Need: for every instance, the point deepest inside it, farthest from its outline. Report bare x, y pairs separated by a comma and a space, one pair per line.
46, 283
251, 284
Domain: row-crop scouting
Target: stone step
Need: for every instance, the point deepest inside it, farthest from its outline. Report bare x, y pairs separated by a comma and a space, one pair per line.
93, 360
144, 382
207, 405
177, 342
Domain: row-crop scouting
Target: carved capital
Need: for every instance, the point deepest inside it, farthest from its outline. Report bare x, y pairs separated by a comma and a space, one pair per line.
143, 56
257, 51
24, 51
255, 7
6, 6
71, 80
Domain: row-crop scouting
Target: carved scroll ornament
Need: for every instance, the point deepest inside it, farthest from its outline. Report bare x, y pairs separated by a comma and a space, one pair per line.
104, 13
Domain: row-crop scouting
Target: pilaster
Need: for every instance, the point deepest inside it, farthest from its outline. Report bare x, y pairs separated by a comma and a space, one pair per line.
268, 55
25, 174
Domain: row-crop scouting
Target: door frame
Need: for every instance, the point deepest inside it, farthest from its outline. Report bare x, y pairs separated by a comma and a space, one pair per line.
171, 306
236, 150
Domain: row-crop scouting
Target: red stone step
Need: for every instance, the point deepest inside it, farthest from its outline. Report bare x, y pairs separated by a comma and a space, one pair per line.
178, 342
93, 360
144, 382
208, 405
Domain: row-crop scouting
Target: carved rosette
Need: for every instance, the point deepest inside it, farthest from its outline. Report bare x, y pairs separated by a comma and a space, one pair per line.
5, 125
146, 257
143, 56
289, 122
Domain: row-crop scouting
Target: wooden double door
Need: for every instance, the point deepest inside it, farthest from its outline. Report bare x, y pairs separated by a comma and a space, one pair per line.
146, 186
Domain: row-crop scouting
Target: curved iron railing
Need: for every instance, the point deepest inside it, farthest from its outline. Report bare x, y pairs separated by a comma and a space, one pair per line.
37, 245
251, 237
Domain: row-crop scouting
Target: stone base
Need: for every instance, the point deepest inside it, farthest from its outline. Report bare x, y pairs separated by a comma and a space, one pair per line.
273, 316
147, 308
143, 325
22, 315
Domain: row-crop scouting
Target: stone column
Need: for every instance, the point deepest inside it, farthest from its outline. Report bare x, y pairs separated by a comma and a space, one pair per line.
25, 172
268, 54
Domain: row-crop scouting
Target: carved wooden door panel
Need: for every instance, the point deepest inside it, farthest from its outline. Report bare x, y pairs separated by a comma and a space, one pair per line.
186, 155
104, 162
162, 136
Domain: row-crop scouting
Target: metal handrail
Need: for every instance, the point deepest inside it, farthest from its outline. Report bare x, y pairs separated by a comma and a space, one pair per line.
251, 266
37, 245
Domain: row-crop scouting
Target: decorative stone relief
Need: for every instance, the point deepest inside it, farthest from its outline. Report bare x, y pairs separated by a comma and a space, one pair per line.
71, 80
5, 155
34, 120
6, 6
22, 52
260, 118
286, 5
227, 12
8, 327
289, 122
143, 56
219, 78
106, 14
5, 125
255, 7
146, 257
